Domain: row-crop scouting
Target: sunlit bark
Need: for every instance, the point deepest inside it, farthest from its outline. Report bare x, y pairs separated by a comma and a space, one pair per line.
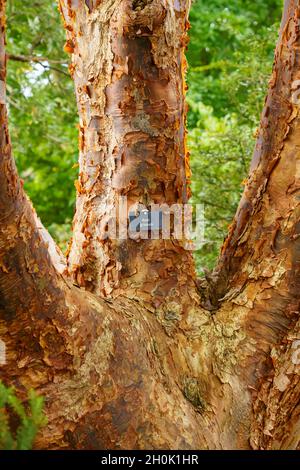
149, 367
128, 66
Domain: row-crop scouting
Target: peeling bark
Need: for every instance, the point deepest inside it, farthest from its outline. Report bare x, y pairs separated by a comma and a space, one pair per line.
128, 66
259, 264
146, 366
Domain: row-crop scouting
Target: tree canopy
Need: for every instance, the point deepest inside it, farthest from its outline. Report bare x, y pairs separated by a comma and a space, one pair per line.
230, 58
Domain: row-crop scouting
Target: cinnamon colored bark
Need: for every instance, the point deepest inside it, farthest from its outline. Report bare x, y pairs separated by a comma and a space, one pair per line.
259, 263
150, 367
128, 66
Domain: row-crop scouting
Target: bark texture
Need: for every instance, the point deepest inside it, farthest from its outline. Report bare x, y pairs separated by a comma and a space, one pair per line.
147, 366
128, 66
259, 264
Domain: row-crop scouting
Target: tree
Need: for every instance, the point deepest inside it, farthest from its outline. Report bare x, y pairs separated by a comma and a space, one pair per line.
128, 348
230, 56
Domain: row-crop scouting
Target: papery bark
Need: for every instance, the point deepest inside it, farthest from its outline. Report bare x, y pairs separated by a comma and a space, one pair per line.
149, 367
259, 265
128, 66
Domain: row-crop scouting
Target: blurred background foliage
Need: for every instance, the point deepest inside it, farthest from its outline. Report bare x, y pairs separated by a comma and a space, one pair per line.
230, 58
42, 109
19, 421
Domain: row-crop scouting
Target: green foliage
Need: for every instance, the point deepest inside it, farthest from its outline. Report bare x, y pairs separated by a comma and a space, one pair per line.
42, 108
230, 57
30, 419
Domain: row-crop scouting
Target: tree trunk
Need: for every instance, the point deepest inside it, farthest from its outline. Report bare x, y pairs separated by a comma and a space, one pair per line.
128, 66
124, 348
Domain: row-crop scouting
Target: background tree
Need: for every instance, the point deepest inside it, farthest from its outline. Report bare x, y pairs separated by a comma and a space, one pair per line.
155, 363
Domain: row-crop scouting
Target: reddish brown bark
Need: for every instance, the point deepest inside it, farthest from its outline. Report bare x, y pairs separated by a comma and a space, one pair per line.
130, 87
151, 368
259, 263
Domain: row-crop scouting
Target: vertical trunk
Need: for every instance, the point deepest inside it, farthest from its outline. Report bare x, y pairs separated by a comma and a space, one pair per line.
128, 66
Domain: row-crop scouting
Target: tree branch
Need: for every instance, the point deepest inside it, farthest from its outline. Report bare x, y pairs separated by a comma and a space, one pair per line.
271, 162
30, 263
258, 274
40, 60
33, 58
